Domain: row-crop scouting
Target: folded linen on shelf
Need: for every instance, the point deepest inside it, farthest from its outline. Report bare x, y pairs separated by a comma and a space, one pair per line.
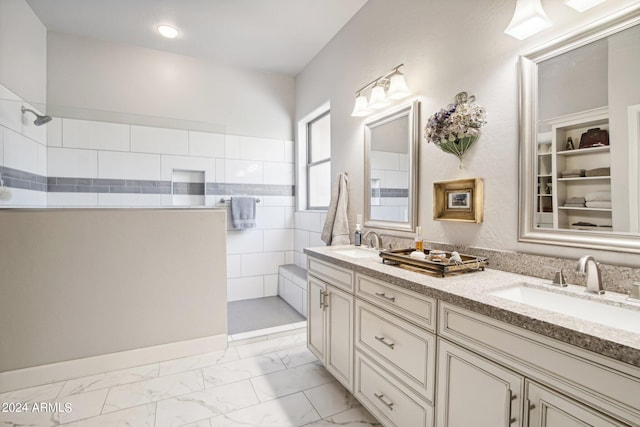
574, 205
598, 172
575, 200
572, 173
600, 205
598, 196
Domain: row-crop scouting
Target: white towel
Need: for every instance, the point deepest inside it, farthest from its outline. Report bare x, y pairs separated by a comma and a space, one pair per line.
336, 225
598, 196
600, 205
243, 212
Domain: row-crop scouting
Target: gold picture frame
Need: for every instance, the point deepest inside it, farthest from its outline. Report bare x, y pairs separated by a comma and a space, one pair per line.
458, 200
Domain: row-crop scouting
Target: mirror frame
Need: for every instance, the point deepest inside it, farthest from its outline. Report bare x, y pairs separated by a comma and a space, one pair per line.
411, 111
528, 63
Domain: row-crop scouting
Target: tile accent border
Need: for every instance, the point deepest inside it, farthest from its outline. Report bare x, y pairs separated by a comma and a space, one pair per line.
14, 178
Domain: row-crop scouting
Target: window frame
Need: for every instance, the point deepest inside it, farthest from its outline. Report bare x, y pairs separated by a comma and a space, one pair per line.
310, 163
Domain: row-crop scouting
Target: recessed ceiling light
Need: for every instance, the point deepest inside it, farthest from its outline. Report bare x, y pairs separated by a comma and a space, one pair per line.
168, 31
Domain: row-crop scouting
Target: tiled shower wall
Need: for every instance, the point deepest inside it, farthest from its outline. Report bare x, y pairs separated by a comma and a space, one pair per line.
80, 163
23, 153
307, 233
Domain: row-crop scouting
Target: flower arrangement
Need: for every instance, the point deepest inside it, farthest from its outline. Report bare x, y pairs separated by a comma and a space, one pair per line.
455, 128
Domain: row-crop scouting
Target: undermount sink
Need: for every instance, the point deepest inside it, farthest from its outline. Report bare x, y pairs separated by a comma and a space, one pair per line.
590, 310
357, 252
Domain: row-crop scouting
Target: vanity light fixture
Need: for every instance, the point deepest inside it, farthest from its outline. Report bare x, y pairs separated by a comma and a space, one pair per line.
385, 89
528, 19
582, 5
168, 31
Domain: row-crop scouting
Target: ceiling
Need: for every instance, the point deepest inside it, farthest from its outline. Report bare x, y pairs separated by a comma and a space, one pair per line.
280, 36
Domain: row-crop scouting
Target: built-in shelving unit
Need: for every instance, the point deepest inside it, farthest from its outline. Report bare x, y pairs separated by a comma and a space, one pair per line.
553, 159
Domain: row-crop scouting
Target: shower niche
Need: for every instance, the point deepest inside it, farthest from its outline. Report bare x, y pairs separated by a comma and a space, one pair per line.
188, 188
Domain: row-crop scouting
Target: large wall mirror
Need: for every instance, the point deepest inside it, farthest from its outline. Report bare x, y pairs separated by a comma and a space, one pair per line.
391, 168
579, 134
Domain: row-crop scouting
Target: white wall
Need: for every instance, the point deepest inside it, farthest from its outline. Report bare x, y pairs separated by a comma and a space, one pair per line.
87, 76
23, 52
447, 47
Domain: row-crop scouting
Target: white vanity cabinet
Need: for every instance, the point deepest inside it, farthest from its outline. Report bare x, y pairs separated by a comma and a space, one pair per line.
473, 391
330, 319
497, 370
395, 352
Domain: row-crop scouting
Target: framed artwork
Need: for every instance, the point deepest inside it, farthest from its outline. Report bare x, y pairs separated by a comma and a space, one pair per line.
459, 200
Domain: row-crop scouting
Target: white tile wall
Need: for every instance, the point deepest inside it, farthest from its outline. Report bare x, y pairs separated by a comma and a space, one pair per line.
20, 152
308, 227
245, 288
278, 173
54, 133
232, 146
205, 144
119, 165
278, 240
71, 162
152, 153
146, 139
31, 131
261, 149
259, 264
95, 135
169, 163
244, 171
72, 199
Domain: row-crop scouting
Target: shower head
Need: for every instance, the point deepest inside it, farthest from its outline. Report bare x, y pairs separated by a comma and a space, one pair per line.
40, 120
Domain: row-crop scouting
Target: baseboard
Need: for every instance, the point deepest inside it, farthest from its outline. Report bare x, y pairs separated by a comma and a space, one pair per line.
62, 371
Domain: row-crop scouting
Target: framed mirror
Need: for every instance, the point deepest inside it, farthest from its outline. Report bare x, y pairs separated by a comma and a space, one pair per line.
391, 169
579, 138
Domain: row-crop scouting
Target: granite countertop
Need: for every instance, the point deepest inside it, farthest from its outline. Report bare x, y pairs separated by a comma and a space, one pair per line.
473, 292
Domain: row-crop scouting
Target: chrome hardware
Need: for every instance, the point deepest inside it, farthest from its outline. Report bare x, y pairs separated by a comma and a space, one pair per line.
382, 399
587, 264
513, 397
383, 341
559, 279
323, 299
635, 292
382, 295
378, 240
512, 420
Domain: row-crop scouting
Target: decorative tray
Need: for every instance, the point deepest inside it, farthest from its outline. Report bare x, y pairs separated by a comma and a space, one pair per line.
442, 268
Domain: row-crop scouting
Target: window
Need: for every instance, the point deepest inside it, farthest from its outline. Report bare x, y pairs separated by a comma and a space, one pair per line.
318, 174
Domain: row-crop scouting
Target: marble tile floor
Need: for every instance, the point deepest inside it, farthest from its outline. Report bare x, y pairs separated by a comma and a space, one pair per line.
251, 314
275, 382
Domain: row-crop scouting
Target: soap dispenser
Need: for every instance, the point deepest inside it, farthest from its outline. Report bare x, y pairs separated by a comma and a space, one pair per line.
357, 238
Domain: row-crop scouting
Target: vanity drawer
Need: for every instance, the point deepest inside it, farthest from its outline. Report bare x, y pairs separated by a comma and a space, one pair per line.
412, 306
387, 399
402, 348
339, 276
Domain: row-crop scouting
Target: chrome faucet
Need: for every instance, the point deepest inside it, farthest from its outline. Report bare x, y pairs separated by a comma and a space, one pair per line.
378, 240
587, 264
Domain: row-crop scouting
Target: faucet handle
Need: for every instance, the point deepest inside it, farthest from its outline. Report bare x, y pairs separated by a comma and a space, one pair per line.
559, 279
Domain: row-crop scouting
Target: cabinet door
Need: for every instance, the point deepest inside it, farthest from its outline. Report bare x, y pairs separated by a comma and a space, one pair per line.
547, 408
339, 355
316, 317
473, 391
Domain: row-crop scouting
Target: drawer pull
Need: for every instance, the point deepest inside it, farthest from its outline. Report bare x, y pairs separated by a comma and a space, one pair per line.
383, 400
383, 341
321, 299
383, 295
